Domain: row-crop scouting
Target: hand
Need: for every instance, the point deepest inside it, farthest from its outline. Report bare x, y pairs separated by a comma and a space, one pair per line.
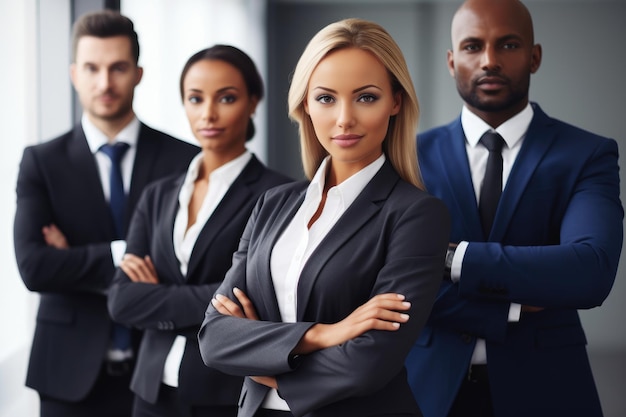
381, 312
54, 237
531, 309
268, 381
227, 307
139, 269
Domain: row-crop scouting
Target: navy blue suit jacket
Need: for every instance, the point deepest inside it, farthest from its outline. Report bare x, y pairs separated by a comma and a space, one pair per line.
555, 243
59, 183
177, 304
391, 239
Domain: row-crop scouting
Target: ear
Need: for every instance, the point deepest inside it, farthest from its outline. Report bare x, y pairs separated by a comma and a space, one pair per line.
254, 102
73, 74
139, 75
305, 105
535, 59
397, 103
450, 60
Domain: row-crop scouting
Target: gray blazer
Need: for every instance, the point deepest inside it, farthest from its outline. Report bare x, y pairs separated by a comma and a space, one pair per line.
176, 305
393, 238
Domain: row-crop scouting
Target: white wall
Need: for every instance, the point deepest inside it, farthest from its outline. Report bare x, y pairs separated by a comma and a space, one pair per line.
170, 31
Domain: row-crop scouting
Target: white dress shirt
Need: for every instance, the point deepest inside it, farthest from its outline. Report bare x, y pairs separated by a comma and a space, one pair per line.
185, 238
95, 139
513, 132
298, 241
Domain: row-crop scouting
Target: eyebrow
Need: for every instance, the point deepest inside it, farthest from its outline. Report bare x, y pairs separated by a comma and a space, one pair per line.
356, 90
505, 38
221, 90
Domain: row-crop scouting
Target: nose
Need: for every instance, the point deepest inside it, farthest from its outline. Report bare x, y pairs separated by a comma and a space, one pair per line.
104, 80
345, 118
209, 111
489, 59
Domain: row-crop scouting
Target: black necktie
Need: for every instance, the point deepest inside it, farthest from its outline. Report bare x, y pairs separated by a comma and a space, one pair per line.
117, 198
492, 184
117, 201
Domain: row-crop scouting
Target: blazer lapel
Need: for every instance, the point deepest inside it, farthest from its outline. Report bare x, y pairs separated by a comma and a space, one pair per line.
536, 143
145, 158
285, 212
83, 161
453, 156
166, 248
367, 204
236, 197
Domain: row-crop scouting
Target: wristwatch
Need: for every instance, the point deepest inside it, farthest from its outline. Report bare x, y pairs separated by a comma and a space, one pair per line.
448, 262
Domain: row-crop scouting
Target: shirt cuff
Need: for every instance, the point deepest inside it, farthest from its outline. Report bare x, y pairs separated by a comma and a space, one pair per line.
515, 312
118, 249
457, 261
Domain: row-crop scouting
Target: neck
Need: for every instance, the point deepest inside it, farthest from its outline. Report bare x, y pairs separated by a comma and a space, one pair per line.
111, 127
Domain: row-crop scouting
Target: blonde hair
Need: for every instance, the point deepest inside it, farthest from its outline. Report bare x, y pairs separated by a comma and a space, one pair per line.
399, 144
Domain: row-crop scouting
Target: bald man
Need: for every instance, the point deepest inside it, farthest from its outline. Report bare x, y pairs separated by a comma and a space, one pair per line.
536, 235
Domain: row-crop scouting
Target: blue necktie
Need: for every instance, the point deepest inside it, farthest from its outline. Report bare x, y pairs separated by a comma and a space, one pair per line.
492, 184
117, 201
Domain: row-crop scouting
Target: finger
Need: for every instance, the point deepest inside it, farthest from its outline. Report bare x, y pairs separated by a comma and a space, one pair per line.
136, 268
220, 307
248, 308
150, 265
231, 306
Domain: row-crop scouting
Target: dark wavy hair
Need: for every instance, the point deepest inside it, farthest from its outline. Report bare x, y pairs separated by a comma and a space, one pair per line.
238, 59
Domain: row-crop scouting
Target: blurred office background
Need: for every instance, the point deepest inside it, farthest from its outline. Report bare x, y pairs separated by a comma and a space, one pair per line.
580, 81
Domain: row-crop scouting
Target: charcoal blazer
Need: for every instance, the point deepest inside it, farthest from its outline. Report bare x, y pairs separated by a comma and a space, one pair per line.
392, 238
555, 243
177, 304
59, 183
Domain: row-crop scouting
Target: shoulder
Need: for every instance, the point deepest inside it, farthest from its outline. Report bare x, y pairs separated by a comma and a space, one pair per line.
168, 142
281, 193
566, 133
437, 134
266, 175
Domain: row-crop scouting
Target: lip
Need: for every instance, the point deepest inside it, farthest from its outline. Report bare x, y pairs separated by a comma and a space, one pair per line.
491, 82
346, 140
210, 132
106, 98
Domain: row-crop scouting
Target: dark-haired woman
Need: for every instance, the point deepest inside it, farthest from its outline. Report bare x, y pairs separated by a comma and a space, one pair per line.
182, 237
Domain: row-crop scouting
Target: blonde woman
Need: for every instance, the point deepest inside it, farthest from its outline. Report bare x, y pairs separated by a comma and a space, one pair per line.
335, 277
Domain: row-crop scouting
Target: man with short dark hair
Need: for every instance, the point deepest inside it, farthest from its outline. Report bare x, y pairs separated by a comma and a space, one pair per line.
75, 197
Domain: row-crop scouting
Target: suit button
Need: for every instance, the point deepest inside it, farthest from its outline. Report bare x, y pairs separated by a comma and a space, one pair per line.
466, 338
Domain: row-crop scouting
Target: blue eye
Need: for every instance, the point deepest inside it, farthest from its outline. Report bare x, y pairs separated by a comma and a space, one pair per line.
325, 99
367, 98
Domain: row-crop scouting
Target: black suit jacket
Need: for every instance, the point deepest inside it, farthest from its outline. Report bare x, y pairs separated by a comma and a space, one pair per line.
58, 183
176, 305
392, 238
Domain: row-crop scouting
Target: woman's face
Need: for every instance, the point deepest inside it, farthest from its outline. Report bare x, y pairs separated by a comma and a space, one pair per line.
350, 102
218, 106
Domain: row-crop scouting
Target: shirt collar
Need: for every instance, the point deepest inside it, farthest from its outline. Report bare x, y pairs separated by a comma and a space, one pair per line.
348, 189
512, 131
226, 174
95, 138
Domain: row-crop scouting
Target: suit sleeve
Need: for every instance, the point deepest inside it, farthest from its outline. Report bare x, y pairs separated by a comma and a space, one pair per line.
413, 266
86, 268
162, 306
576, 272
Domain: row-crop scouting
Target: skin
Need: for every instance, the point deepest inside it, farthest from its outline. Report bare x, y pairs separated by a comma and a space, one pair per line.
218, 109
104, 76
492, 58
350, 102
